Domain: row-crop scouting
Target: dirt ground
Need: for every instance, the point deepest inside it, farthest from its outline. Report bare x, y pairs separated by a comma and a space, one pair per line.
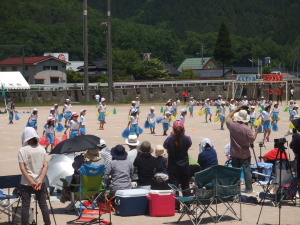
10, 136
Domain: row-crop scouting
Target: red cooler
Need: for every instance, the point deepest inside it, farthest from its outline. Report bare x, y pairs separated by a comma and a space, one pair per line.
161, 203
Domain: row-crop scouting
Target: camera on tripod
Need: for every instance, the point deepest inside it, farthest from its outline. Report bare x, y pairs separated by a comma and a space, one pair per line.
279, 143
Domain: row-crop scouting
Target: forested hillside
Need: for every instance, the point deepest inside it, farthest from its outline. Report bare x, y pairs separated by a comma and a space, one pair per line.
171, 30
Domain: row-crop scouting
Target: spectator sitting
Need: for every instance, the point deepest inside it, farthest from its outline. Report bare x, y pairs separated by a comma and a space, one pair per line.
104, 152
194, 167
273, 155
132, 142
145, 164
207, 156
118, 174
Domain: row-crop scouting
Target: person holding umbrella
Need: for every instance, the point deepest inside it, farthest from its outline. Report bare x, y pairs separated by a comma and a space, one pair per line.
74, 125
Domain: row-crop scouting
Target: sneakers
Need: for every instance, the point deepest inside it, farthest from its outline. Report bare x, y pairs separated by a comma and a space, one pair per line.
222, 128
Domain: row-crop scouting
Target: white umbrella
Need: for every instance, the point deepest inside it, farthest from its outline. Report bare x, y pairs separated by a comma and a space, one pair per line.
60, 166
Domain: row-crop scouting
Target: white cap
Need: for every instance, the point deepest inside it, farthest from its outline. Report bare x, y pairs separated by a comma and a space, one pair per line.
67, 100
223, 103
35, 110
83, 110
262, 97
168, 113
52, 109
133, 102
183, 110
152, 108
219, 96
102, 99
50, 118
102, 144
55, 105
245, 96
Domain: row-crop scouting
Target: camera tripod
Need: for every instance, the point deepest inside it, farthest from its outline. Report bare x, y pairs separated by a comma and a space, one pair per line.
260, 157
36, 212
278, 160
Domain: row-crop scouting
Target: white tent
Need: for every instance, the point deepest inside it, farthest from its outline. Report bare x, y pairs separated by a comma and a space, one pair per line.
13, 80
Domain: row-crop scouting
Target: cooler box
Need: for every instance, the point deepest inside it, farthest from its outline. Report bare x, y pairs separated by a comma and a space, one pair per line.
131, 202
161, 203
265, 168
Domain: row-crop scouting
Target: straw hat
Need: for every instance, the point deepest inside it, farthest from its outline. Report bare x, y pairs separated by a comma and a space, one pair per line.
159, 151
132, 140
145, 147
242, 116
93, 154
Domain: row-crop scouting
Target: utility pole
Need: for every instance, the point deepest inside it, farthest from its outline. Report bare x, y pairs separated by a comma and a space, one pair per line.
85, 53
109, 53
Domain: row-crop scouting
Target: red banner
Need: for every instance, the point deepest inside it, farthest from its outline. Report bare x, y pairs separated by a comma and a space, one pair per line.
272, 77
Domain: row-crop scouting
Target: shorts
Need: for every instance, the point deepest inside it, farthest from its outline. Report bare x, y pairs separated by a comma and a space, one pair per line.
222, 119
267, 125
11, 115
174, 112
97, 101
252, 120
73, 133
275, 116
134, 129
152, 125
32, 123
207, 111
101, 116
191, 108
165, 126
50, 138
67, 115
291, 112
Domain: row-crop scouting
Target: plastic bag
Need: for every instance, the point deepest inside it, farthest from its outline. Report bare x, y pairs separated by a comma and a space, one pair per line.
64, 137
17, 117
279, 118
125, 133
97, 114
257, 123
260, 129
106, 113
285, 108
200, 113
146, 124
60, 117
59, 127
216, 118
128, 117
291, 126
275, 127
159, 119
43, 141
260, 109
173, 118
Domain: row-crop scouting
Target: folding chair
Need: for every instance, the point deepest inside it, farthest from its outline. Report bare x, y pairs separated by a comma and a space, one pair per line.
272, 191
218, 185
9, 199
188, 205
91, 188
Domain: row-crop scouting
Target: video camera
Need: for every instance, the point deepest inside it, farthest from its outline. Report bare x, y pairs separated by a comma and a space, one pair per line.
279, 143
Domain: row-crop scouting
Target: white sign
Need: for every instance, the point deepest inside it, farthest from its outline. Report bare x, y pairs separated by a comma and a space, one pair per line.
61, 56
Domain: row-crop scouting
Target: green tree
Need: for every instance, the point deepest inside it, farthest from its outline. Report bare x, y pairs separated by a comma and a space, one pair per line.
151, 69
223, 50
188, 74
74, 77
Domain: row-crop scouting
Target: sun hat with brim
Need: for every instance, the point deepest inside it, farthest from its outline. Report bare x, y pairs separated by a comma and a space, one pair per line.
102, 143
93, 154
242, 116
118, 152
132, 140
159, 151
145, 147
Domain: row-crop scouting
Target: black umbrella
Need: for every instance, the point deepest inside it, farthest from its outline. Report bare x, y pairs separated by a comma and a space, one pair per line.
296, 123
77, 144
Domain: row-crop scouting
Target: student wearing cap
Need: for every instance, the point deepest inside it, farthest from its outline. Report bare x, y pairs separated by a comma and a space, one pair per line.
275, 113
168, 107
82, 122
138, 103
262, 102
174, 107
245, 101
166, 122
67, 111
177, 146
132, 107
221, 114
252, 116
151, 118
145, 164
73, 125
182, 116
291, 106
119, 171
232, 105
33, 165
295, 114
207, 110
32, 120
191, 105
133, 123
52, 114
241, 138
97, 98
11, 109
102, 110
56, 112
49, 132
266, 122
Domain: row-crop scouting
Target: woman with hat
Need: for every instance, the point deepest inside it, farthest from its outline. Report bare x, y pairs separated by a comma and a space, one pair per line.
118, 174
145, 164
102, 110
177, 146
67, 111
74, 125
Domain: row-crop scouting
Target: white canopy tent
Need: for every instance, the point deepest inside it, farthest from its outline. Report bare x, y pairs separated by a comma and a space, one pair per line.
13, 80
